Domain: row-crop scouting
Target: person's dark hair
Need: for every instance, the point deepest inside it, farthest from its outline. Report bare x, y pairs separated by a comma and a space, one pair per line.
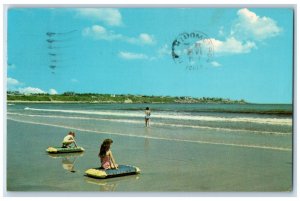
105, 146
71, 133
147, 108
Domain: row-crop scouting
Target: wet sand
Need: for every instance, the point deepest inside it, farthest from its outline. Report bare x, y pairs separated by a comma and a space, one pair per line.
166, 166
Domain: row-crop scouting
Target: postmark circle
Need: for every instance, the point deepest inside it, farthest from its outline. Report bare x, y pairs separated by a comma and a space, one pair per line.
192, 48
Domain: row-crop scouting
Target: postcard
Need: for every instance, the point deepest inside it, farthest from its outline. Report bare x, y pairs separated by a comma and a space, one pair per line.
141, 99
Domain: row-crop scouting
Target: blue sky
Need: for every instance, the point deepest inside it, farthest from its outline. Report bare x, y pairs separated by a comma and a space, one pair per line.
128, 51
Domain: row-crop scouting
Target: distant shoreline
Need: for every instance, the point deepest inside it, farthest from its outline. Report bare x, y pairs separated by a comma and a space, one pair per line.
70, 97
20, 101
115, 102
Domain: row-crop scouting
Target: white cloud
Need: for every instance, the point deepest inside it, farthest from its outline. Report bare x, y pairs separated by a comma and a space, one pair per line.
31, 90
98, 32
143, 39
52, 91
11, 82
247, 30
132, 56
251, 26
164, 50
110, 16
215, 64
231, 46
146, 38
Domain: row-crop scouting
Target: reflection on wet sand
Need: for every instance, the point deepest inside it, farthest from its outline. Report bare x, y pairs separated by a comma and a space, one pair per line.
146, 142
110, 184
68, 160
68, 164
64, 155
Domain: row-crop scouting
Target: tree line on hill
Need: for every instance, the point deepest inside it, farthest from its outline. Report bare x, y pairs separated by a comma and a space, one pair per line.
113, 98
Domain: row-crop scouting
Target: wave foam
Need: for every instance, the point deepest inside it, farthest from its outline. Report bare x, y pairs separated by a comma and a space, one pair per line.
155, 123
177, 116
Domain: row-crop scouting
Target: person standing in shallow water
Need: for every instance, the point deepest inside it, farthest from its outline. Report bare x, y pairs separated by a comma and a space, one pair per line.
147, 116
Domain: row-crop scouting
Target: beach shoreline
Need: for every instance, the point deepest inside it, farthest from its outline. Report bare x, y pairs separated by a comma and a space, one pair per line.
181, 167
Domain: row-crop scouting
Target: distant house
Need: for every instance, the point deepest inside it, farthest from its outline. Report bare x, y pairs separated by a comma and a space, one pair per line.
128, 101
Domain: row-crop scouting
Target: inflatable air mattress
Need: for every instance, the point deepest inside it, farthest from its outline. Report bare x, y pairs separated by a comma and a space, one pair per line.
122, 170
54, 150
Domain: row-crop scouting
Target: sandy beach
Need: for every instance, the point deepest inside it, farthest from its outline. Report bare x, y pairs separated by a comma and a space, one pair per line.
166, 166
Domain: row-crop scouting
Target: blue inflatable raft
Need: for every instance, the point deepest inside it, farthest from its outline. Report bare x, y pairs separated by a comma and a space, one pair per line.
122, 170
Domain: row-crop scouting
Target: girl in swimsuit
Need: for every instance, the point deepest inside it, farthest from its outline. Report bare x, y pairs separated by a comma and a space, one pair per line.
147, 116
106, 156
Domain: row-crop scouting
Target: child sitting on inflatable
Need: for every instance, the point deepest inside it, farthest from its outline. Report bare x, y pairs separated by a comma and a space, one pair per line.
106, 156
68, 140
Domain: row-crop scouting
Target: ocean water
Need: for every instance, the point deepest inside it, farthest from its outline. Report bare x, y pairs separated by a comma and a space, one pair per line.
266, 126
261, 133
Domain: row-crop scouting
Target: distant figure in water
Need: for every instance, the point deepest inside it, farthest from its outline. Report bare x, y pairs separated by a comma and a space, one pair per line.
106, 156
147, 116
68, 140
